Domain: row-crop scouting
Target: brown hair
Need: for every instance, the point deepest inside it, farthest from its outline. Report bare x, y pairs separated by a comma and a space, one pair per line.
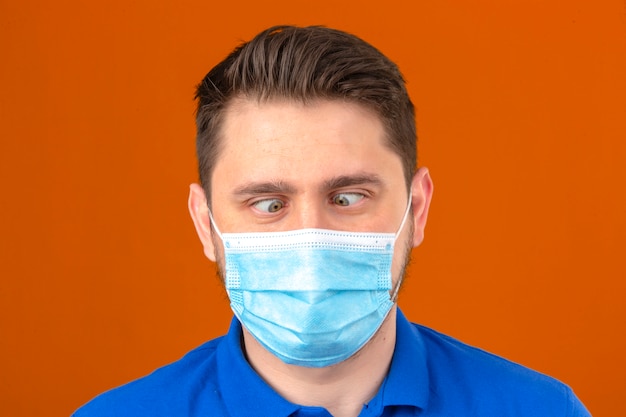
304, 64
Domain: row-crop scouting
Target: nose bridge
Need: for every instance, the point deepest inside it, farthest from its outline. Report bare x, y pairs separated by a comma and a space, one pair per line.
310, 213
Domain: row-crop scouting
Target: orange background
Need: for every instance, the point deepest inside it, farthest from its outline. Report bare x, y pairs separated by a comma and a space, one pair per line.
521, 113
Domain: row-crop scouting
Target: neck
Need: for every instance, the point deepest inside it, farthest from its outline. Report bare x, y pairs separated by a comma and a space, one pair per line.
342, 388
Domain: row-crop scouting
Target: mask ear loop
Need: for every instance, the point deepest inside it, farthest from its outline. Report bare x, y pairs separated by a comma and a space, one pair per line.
394, 294
217, 230
406, 216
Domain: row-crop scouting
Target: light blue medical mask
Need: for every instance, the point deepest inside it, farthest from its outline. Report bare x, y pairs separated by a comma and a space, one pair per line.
312, 297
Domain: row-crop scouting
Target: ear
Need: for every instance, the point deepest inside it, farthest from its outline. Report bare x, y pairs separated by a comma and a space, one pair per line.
199, 210
421, 195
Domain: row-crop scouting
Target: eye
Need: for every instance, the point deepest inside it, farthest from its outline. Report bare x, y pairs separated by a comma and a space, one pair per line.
269, 206
346, 199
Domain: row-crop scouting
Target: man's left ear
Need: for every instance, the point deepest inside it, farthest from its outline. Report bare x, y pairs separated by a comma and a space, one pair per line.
421, 195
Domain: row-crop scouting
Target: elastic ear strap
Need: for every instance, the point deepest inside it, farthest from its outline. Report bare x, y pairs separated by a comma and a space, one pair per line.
394, 294
406, 215
217, 230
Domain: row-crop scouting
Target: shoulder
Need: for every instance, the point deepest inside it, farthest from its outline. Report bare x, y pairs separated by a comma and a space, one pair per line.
166, 391
485, 382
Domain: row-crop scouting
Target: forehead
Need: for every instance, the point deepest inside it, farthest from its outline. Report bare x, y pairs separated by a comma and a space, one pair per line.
285, 114
295, 141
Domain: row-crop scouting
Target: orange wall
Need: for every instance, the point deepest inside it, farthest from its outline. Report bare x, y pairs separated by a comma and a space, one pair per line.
521, 112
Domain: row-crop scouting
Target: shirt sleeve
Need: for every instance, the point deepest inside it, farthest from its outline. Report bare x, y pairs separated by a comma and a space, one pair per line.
575, 408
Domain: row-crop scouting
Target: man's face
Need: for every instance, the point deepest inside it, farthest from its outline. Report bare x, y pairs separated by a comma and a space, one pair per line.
286, 165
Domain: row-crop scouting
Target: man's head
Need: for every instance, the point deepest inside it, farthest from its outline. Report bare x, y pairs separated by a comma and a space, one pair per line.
302, 65
308, 131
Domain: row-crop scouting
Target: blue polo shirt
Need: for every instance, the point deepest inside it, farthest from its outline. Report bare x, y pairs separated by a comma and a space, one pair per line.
431, 375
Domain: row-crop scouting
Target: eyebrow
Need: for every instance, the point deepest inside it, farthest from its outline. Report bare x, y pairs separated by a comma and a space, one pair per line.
267, 187
351, 180
281, 187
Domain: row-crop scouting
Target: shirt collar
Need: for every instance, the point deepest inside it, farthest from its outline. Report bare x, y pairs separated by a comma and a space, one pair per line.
241, 387
406, 383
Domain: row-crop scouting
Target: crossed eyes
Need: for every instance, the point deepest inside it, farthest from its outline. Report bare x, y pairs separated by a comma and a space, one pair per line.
273, 205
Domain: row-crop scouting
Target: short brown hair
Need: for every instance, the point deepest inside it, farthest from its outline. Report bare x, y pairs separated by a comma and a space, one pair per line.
286, 62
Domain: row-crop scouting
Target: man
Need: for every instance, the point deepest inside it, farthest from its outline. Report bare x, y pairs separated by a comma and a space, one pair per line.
310, 204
